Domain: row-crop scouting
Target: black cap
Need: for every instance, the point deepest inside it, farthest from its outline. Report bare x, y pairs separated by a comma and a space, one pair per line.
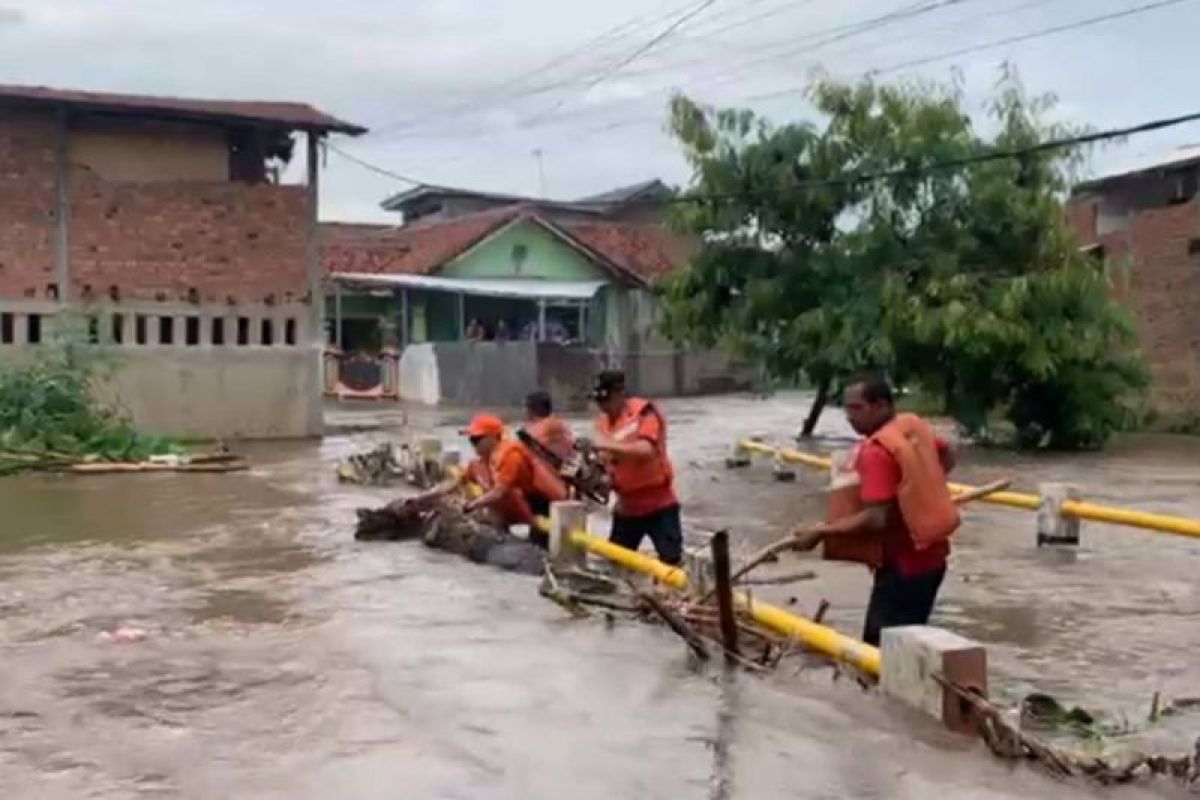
606, 384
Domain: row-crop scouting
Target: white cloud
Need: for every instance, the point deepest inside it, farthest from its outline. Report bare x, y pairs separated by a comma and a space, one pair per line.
446, 69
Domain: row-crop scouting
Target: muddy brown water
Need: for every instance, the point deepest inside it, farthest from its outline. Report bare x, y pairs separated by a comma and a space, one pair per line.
284, 660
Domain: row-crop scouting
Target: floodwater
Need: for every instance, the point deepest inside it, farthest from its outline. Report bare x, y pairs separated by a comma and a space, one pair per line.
285, 660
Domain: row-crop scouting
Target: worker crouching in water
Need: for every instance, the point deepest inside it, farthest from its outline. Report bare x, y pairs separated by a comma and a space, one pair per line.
517, 487
902, 519
631, 435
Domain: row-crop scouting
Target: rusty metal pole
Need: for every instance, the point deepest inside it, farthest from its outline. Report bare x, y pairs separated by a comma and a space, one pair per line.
729, 631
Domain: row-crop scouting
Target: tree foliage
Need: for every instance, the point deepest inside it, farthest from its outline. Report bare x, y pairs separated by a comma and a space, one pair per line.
955, 272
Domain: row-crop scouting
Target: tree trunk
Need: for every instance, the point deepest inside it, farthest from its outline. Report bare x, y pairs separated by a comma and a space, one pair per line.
814, 413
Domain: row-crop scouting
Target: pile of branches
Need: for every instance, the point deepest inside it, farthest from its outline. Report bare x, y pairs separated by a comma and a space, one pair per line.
695, 620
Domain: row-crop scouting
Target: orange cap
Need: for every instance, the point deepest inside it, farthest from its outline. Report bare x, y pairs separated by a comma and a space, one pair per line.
484, 425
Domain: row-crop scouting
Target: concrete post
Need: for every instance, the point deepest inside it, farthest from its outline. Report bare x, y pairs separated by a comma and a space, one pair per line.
429, 451
915, 656
738, 457
565, 517
698, 565
1054, 527
781, 470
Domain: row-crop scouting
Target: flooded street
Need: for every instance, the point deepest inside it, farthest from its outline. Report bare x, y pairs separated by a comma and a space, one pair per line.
285, 660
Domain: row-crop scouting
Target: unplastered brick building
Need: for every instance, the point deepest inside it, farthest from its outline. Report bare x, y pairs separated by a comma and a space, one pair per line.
181, 233
1144, 224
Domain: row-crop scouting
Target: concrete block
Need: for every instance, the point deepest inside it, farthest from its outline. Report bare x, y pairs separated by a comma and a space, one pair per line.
782, 471
567, 516
698, 565
913, 655
1053, 527
738, 457
429, 452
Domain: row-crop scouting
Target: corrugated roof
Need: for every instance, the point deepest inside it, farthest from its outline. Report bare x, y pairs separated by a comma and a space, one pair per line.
527, 288
298, 116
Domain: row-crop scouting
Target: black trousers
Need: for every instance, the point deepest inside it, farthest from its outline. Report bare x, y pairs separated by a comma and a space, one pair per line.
540, 505
898, 600
664, 528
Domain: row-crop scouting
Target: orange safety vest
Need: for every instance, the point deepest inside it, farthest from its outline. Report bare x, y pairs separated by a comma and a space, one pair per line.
924, 500
636, 474
554, 435
539, 479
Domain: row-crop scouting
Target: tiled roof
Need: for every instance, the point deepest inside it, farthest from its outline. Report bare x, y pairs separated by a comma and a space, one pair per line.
417, 249
637, 252
299, 116
648, 251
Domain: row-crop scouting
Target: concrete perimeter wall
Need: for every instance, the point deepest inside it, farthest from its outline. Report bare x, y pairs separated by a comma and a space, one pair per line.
500, 375
251, 371
250, 394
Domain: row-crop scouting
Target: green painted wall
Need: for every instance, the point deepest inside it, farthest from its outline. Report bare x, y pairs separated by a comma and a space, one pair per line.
546, 256
356, 305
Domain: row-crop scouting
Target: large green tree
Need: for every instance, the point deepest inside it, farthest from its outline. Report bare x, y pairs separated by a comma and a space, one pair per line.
893, 232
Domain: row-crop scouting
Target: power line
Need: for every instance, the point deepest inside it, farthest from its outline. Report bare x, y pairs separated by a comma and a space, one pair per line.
1024, 37
596, 42
810, 42
1020, 153
1020, 38
654, 41
362, 162
849, 179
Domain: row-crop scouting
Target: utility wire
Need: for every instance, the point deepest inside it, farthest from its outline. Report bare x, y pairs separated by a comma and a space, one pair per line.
595, 43
904, 173
989, 45
367, 165
809, 42
653, 42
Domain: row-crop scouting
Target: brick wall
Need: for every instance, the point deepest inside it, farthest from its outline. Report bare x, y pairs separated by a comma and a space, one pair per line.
157, 241
27, 201
1158, 276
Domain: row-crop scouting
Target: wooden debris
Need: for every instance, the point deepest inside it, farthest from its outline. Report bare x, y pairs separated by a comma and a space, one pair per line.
693, 640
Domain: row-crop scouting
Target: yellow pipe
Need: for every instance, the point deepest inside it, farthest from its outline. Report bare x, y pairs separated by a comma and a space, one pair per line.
630, 559
1163, 523
820, 638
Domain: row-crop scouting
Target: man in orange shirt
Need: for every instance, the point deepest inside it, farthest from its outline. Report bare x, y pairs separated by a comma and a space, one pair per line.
549, 430
522, 488
631, 434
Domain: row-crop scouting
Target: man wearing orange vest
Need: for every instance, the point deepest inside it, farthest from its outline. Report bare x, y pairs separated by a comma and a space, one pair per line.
548, 429
904, 517
631, 434
520, 487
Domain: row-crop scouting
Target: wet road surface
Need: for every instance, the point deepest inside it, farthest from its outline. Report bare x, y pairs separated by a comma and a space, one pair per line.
284, 660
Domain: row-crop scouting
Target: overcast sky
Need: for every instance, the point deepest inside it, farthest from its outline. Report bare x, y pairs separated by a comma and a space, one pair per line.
463, 92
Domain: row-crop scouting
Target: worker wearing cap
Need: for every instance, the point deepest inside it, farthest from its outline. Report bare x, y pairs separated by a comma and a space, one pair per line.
521, 486
632, 437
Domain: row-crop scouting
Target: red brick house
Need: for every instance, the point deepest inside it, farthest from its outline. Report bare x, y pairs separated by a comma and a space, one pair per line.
1145, 224
164, 222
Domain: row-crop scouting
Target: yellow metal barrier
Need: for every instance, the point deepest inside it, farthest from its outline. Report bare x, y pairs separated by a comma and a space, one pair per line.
827, 641
1180, 526
818, 637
